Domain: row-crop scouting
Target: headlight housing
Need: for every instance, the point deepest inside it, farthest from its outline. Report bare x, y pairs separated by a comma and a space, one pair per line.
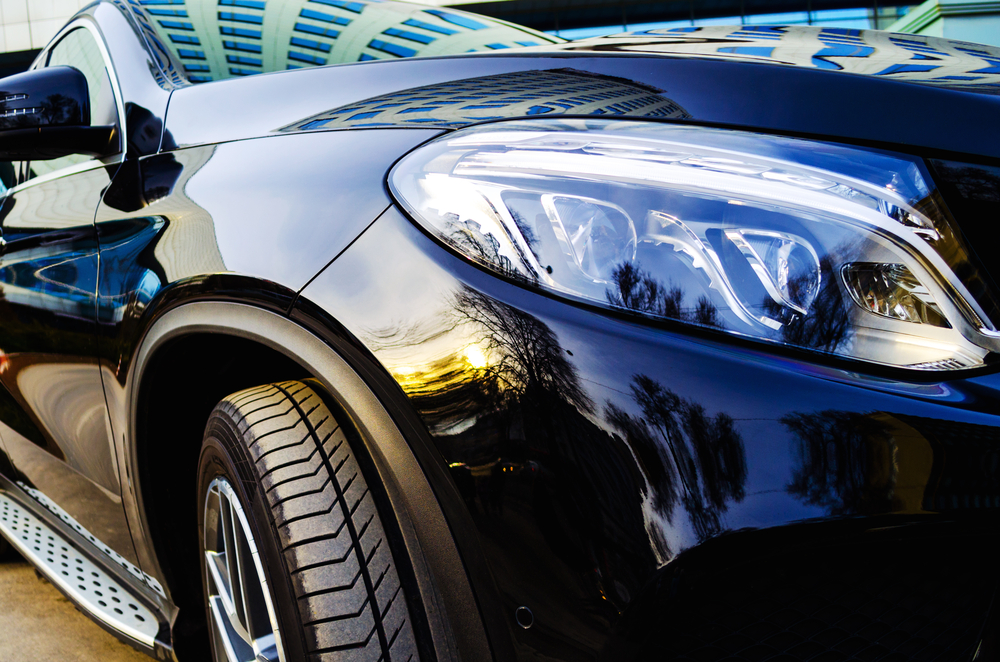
822, 246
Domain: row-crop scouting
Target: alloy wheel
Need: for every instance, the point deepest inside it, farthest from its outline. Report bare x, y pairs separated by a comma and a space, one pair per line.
242, 617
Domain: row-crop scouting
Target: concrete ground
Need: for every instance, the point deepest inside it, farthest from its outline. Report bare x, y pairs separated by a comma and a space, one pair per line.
38, 624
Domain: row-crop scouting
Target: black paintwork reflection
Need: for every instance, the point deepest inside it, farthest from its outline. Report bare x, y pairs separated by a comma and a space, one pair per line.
518, 94
354, 31
143, 130
843, 590
965, 473
141, 182
53, 413
912, 58
558, 498
54, 110
690, 458
595, 457
541, 425
851, 463
132, 275
205, 223
48, 275
845, 462
526, 360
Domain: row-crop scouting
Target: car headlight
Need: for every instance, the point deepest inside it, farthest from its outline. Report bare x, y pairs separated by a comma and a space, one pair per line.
838, 249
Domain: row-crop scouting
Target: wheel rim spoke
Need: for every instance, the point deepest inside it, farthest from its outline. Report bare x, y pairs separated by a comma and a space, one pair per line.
235, 574
242, 616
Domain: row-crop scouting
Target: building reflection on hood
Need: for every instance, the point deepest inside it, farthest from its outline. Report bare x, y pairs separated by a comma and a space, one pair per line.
910, 57
516, 94
217, 39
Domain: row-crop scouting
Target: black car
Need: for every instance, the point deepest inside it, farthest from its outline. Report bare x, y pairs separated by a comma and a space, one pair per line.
675, 345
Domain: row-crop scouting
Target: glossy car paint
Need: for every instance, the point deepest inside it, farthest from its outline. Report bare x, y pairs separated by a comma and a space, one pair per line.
625, 457
176, 227
55, 422
625, 448
750, 94
55, 425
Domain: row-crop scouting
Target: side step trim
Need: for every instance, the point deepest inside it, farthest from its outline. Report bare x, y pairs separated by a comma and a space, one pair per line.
81, 580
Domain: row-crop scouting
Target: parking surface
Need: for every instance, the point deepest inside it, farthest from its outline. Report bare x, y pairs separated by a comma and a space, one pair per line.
38, 624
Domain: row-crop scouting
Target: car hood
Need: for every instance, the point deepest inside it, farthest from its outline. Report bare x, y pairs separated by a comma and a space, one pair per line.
920, 94
933, 61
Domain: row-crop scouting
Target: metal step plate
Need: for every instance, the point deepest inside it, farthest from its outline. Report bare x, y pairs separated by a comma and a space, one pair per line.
99, 545
76, 576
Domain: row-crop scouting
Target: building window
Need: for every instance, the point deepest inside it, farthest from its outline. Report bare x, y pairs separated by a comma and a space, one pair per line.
326, 18
241, 59
239, 32
406, 34
316, 30
305, 57
391, 49
241, 46
240, 18
177, 25
456, 19
355, 7
310, 44
246, 4
440, 29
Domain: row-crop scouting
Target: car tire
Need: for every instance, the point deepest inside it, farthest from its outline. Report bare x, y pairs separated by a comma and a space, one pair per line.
277, 474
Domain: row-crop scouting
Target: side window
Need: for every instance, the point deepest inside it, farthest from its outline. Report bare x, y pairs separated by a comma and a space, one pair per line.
79, 49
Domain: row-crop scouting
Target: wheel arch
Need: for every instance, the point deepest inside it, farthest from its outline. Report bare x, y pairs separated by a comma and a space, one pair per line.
280, 348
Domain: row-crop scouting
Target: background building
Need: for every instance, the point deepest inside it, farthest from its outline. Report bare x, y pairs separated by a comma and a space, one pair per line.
27, 25
977, 21
215, 39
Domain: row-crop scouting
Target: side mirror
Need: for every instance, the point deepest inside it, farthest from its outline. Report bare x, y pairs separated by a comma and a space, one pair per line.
45, 114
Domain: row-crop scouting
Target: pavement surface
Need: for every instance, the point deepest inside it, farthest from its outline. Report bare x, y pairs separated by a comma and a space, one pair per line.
38, 624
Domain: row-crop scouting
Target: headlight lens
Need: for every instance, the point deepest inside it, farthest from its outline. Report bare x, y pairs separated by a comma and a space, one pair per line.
833, 248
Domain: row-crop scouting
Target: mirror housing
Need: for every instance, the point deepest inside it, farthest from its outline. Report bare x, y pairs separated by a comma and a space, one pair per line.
45, 114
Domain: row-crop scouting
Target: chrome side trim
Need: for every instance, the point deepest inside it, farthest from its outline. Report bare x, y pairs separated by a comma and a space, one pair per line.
59, 174
81, 580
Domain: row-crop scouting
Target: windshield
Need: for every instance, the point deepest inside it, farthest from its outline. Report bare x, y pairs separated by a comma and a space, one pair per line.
215, 39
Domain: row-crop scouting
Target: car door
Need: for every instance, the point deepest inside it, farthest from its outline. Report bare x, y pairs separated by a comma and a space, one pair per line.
53, 414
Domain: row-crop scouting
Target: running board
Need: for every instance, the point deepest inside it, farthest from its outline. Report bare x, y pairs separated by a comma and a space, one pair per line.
94, 591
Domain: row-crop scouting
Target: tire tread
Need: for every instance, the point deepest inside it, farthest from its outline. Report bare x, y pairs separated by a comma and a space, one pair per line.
349, 596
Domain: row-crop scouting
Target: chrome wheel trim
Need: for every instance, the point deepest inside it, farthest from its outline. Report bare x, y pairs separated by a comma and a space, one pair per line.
243, 621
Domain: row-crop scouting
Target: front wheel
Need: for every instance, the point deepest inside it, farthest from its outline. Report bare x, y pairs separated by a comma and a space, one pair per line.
295, 561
